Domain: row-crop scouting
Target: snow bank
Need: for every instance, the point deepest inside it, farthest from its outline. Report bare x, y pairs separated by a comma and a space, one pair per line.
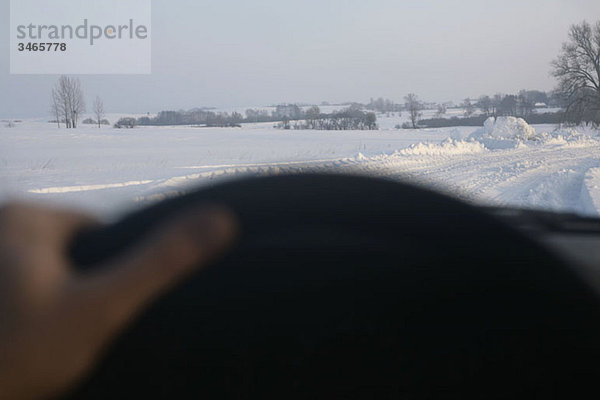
590, 192
566, 137
447, 147
569, 136
497, 131
508, 128
505, 133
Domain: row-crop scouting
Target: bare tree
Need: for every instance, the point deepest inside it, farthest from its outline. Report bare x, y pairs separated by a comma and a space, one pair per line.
525, 104
508, 106
414, 107
496, 103
62, 92
577, 69
441, 110
78, 102
99, 110
485, 104
68, 101
312, 116
468, 107
56, 108
126, 122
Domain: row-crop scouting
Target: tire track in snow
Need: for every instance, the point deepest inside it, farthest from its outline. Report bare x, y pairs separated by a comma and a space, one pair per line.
538, 175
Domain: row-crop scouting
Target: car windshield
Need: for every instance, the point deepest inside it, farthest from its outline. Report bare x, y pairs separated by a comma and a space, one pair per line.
112, 108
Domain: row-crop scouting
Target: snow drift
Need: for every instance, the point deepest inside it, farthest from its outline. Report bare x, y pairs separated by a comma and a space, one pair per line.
505, 133
508, 128
447, 147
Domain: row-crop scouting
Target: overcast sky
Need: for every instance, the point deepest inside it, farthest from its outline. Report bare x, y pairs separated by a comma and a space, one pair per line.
258, 52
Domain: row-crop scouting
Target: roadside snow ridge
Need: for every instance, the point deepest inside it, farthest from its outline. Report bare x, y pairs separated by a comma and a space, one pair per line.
447, 147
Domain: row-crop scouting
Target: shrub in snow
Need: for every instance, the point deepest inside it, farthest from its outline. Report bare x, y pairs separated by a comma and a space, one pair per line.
90, 121
126, 123
508, 128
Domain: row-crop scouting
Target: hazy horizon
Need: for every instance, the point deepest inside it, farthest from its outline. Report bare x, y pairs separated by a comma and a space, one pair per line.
237, 53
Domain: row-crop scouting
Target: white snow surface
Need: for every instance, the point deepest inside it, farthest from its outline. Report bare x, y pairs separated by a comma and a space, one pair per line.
590, 192
445, 148
108, 171
508, 128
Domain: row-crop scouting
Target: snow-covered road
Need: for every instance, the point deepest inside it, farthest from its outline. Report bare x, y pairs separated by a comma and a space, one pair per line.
110, 171
550, 177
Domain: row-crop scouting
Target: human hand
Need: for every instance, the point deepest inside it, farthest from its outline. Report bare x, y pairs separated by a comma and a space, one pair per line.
55, 322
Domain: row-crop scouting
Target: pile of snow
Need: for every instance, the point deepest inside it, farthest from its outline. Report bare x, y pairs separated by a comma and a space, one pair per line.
566, 137
361, 157
447, 147
508, 128
505, 133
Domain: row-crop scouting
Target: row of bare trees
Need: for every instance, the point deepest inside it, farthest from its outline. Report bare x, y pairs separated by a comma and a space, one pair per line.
68, 103
351, 118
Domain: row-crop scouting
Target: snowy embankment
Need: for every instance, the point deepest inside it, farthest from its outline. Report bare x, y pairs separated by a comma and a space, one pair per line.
446, 148
507, 163
590, 192
106, 171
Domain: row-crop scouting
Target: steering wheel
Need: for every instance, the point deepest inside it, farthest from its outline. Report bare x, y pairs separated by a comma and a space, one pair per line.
353, 287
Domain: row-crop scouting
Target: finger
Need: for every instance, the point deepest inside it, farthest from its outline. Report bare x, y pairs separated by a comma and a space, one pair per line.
36, 225
67, 224
127, 285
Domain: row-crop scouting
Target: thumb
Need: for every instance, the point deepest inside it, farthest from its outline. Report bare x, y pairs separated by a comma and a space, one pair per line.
122, 289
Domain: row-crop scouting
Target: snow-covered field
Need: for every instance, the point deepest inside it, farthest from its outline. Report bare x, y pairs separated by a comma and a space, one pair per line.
109, 171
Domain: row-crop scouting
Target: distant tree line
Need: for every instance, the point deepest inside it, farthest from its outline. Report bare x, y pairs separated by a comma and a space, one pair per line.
91, 121
527, 104
288, 116
205, 117
523, 104
192, 117
352, 118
